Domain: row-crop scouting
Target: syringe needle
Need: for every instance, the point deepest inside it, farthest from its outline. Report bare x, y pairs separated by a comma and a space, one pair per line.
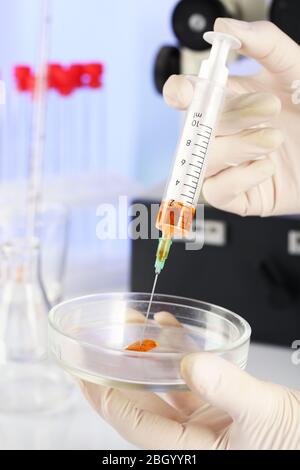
161, 257
149, 308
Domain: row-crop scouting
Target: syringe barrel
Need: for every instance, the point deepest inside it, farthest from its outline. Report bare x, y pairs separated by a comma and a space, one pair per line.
185, 184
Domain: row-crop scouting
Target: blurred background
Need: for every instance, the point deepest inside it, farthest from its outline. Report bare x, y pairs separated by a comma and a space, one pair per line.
100, 141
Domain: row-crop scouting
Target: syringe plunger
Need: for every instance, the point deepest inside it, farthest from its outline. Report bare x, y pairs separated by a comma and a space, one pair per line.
214, 68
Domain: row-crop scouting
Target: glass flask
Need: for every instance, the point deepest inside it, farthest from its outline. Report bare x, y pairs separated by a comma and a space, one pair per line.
52, 231
29, 382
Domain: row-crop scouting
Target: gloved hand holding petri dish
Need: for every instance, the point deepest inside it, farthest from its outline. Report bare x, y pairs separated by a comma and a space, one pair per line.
200, 400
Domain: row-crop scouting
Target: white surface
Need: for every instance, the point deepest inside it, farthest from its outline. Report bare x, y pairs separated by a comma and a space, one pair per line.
81, 428
274, 364
77, 428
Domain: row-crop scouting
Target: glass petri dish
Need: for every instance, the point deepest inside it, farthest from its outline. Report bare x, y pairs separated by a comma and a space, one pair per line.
88, 336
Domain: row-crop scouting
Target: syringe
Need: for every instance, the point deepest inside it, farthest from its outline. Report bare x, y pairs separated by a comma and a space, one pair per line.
178, 207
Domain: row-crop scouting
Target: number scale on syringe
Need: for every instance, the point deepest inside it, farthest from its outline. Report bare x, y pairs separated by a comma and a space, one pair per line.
194, 145
187, 180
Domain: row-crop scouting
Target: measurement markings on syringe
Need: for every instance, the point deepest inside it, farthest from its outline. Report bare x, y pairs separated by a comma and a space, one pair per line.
196, 177
194, 150
207, 127
192, 164
189, 197
197, 165
196, 155
206, 137
193, 176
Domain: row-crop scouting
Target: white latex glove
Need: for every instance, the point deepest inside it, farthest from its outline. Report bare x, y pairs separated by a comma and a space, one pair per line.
250, 171
226, 408
245, 413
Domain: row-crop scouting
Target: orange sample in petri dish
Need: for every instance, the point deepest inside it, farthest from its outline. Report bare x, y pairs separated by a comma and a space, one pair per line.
175, 218
143, 346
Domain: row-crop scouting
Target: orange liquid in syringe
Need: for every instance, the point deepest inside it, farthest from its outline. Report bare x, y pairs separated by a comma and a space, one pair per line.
175, 219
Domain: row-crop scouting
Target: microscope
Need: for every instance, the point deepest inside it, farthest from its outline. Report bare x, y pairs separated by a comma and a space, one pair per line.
192, 18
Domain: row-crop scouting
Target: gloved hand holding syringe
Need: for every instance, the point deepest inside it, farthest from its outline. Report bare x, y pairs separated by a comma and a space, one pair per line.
179, 204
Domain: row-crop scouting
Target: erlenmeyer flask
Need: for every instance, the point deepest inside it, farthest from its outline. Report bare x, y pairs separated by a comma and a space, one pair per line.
28, 380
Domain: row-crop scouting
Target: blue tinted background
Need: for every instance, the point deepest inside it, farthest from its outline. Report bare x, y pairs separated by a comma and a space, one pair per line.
125, 35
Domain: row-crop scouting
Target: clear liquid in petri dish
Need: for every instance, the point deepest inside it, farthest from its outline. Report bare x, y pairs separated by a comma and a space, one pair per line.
89, 337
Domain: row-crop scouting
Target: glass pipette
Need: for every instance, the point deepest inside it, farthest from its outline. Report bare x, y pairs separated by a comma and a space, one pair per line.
38, 122
179, 204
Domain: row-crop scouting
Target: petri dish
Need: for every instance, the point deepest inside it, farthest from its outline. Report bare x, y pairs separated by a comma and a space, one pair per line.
88, 337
